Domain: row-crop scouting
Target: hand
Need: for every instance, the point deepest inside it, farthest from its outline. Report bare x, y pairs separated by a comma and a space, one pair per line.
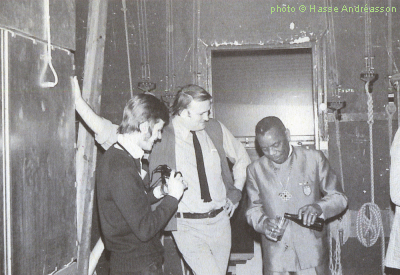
230, 207
270, 226
176, 185
310, 213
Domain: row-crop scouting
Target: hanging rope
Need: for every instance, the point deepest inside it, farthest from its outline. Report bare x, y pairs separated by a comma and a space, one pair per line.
47, 55
369, 227
194, 44
369, 222
339, 229
337, 125
336, 228
143, 39
335, 263
146, 41
124, 9
145, 85
167, 44
168, 96
197, 43
172, 42
332, 44
370, 121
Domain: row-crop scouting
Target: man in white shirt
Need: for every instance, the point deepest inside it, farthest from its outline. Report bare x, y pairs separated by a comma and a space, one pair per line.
202, 228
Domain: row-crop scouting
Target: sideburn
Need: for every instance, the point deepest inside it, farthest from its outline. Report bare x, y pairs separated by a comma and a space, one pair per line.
148, 134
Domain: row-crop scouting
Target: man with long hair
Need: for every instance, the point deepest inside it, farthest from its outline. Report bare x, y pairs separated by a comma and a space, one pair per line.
131, 229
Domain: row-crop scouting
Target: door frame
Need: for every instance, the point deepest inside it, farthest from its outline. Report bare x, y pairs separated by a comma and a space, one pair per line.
319, 82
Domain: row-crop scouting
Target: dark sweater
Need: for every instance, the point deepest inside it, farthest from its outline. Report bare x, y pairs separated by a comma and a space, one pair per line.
130, 228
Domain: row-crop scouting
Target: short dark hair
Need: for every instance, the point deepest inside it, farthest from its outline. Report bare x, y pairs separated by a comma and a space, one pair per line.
141, 108
265, 124
186, 95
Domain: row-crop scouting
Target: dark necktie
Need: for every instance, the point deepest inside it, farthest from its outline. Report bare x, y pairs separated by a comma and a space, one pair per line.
205, 193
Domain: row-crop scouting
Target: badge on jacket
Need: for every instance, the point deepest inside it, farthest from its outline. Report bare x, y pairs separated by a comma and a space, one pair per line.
306, 188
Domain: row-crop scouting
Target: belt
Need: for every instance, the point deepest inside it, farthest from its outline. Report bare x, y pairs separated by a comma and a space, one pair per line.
210, 214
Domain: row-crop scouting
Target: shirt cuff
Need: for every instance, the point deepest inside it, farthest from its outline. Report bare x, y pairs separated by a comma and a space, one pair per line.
108, 136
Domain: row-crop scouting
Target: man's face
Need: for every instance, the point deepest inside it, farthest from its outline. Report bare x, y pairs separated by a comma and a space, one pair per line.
151, 135
198, 114
275, 145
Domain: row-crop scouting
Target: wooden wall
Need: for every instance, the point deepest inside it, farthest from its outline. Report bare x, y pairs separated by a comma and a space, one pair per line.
42, 162
38, 139
28, 17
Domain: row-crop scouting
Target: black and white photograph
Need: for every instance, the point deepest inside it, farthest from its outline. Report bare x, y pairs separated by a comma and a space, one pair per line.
200, 137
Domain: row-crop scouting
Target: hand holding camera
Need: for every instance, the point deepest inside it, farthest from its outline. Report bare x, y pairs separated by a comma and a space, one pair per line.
175, 185
171, 181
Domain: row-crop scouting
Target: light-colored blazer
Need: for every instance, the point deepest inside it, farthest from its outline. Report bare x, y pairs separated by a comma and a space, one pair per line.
311, 181
393, 251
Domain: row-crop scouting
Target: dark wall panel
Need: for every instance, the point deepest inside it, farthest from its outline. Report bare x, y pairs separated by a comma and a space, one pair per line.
355, 149
42, 136
27, 16
350, 51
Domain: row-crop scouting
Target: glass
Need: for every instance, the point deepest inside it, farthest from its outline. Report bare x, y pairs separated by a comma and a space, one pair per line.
277, 234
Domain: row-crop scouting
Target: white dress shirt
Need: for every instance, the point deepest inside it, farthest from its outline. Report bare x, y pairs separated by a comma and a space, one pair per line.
187, 165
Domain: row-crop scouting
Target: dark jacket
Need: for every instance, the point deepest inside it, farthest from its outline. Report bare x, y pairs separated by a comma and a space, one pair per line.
129, 226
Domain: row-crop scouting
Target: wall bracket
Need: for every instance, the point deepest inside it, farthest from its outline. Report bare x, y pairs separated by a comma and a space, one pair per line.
335, 107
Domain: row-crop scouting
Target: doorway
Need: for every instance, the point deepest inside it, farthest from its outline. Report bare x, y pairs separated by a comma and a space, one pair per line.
249, 84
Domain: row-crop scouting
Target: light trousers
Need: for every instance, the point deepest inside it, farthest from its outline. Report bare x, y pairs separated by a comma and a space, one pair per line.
205, 243
319, 270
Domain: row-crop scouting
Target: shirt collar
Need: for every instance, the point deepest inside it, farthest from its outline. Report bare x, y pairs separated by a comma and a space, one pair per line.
290, 150
179, 129
133, 149
277, 165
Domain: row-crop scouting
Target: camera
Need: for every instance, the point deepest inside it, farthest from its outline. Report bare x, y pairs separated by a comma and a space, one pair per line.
165, 172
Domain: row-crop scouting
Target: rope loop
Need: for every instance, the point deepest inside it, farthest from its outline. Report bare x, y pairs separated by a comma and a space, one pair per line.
369, 228
47, 56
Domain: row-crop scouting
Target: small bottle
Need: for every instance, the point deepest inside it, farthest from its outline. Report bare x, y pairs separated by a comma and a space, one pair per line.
318, 224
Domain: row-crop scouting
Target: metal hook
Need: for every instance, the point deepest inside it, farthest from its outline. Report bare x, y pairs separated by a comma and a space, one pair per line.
336, 106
